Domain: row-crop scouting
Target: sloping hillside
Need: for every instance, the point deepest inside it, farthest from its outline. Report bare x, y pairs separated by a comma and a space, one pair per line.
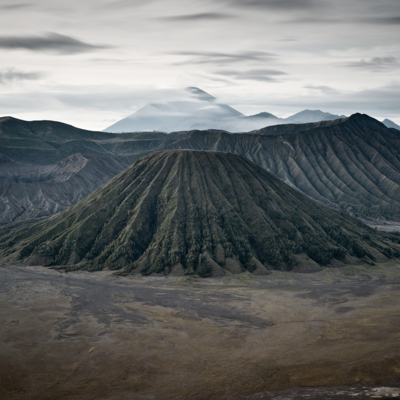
352, 164
197, 212
36, 191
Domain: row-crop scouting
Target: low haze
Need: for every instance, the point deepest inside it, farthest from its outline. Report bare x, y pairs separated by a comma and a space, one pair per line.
93, 63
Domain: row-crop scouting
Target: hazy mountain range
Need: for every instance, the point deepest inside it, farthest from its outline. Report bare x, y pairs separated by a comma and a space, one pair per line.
351, 164
390, 124
199, 110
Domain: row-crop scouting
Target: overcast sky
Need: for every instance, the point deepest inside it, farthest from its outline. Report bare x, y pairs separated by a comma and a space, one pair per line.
92, 62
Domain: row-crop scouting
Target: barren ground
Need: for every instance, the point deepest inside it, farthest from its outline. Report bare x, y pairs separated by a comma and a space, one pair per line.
328, 335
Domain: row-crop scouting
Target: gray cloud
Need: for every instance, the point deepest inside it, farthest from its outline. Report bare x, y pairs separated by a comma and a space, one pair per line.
284, 5
383, 20
15, 6
333, 36
112, 61
323, 89
197, 17
224, 58
126, 3
314, 20
50, 42
261, 75
322, 20
384, 100
13, 75
376, 63
114, 98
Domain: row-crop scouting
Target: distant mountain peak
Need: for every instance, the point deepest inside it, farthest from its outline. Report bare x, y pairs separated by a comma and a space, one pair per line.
199, 94
390, 124
197, 111
263, 115
307, 116
365, 118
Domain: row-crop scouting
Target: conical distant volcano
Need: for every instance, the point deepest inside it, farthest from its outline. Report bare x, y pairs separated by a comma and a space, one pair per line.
197, 212
196, 109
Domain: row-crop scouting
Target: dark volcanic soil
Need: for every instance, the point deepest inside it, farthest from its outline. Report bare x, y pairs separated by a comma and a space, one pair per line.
286, 336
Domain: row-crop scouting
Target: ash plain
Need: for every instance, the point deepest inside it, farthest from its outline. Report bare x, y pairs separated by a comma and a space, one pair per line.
334, 334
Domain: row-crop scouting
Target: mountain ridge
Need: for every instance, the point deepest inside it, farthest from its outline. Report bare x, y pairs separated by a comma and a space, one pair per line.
35, 191
309, 116
390, 124
201, 212
200, 110
350, 164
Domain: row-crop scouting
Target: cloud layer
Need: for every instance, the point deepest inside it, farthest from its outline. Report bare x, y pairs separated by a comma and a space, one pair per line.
282, 5
13, 75
17, 6
110, 57
197, 17
220, 58
50, 42
261, 75
376, 63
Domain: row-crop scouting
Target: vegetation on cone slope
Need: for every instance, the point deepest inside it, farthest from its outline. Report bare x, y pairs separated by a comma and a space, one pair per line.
196, 209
